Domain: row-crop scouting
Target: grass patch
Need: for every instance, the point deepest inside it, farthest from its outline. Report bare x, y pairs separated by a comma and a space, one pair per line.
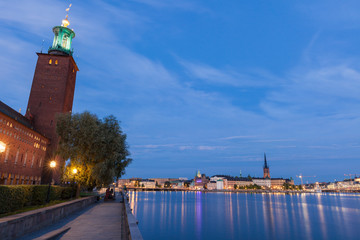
30, 208
87, 194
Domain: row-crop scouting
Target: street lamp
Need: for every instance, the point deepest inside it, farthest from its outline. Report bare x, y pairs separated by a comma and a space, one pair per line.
52, 166
74, 172
2, 147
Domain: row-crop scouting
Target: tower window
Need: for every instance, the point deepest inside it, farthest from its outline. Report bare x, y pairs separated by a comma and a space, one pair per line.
50, 61
56, 62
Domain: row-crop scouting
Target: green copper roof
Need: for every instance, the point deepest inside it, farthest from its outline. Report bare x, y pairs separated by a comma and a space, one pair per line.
62, 40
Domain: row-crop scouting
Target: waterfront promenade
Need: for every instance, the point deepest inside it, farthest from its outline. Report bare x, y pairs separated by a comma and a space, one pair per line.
103, 220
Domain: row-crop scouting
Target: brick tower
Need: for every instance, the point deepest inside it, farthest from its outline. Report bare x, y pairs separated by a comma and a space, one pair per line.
266, 168
52, 92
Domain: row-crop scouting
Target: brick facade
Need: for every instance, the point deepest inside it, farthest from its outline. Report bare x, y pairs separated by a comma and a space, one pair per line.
22, 161
52, 92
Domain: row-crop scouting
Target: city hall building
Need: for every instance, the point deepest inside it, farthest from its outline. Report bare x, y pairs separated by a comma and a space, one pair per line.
28, 143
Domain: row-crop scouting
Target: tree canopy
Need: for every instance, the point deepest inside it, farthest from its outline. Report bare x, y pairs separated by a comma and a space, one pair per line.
96, 147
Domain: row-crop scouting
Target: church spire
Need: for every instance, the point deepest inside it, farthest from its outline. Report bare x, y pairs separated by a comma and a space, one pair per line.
265, 162
266, 168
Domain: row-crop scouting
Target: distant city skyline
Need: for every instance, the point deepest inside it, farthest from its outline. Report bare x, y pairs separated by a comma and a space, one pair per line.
206, 86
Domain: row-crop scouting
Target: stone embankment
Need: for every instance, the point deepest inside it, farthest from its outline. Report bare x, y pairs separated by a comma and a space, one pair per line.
15, 226
131, 222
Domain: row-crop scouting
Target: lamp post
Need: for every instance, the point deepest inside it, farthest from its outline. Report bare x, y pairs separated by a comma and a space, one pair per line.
2, 147
74, 171
52, 166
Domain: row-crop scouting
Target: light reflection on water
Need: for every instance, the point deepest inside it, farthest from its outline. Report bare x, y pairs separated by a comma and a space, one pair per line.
197, 215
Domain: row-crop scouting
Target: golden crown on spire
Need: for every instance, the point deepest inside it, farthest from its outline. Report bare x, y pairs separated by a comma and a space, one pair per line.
65, 22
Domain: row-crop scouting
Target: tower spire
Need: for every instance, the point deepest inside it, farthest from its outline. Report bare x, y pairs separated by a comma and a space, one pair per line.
62, 37
265, 162
266, 168
65, 22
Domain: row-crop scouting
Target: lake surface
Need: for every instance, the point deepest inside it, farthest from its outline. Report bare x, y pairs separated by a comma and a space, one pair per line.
197, 215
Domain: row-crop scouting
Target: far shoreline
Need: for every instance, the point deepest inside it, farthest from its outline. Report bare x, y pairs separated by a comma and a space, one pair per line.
239, 190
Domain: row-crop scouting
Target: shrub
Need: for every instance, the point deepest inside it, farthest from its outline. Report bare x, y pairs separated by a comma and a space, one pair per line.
5, 201
13, 198
39, 194
68, 192
27, 194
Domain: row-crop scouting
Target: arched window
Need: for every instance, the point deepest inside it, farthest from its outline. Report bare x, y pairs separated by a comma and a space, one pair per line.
50, 61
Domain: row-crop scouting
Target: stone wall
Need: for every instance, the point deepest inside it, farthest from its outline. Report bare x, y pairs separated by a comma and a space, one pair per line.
15, 226
131, 222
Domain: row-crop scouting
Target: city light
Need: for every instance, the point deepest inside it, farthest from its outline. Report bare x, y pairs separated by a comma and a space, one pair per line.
52, 164
2, 147
74, 171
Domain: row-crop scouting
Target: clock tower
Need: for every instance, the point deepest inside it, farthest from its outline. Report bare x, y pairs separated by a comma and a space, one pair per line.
52, 92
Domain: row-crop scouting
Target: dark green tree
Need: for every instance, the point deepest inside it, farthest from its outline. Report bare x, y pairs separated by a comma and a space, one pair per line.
96, 147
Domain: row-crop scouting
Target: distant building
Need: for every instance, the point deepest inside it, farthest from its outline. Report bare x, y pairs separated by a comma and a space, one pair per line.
200, 181
268, 182
147, 183
266, 168
229, 182
123, 182
211, 185
219, 182
264, 182
161, 181
279, 182
134, 182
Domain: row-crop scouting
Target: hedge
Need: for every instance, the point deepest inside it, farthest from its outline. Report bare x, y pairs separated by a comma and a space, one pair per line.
13, 198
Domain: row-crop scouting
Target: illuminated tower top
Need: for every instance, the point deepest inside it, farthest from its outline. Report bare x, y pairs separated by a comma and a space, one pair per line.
63, 37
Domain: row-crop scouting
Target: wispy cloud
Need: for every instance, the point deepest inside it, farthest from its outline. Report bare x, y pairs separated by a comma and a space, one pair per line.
258, 78
153, 146
210, 148
237, 137
272, 140
332, 13
182, 5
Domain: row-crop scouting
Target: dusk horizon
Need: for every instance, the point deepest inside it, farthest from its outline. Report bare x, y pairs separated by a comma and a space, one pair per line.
209, 87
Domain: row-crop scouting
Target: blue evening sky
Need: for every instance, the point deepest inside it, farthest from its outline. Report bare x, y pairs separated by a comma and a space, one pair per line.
208, 85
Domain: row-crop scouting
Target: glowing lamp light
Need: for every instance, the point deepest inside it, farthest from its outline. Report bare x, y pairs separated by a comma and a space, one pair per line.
2, 147
52, 164
74, 171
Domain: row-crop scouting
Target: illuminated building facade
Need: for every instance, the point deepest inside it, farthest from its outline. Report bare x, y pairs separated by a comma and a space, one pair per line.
52, 92
24, 149
200, 181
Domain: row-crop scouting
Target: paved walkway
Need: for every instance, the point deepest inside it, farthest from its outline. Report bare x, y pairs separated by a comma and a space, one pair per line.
104, 220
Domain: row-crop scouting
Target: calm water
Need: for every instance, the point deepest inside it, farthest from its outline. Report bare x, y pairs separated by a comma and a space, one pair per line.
196, 215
